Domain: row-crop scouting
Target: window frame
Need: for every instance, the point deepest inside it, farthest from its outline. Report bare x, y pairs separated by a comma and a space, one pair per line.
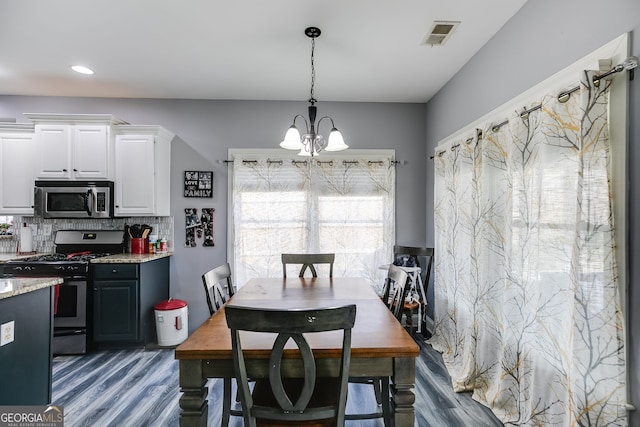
364, 154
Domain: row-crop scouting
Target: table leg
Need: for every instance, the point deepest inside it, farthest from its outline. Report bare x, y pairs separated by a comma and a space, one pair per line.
402, 397
193, 402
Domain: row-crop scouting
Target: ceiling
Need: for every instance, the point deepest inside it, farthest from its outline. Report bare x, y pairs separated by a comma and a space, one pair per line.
369, 50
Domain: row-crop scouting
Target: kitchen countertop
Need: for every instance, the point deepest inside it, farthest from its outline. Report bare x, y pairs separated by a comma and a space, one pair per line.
129, 258
4, 257
11, 287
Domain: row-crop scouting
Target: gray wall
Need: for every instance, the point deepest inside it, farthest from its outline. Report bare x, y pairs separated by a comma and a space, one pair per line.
207, 129
544, 37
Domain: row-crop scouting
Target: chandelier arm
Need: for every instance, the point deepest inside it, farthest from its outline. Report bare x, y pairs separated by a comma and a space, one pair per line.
306, 123
325, 117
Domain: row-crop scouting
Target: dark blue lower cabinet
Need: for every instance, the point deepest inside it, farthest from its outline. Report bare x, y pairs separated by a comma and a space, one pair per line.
123, 296
115, 316
25, 363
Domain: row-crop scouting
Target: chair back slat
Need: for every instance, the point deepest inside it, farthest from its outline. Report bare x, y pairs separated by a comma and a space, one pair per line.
308, 261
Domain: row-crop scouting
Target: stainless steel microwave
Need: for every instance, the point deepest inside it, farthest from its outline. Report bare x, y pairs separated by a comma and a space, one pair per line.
74, 199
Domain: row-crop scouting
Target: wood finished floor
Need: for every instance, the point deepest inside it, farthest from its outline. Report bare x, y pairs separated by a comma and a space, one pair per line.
135, 388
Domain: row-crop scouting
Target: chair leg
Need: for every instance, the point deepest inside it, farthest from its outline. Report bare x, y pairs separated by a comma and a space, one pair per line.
410, 326
386, 401
377, 390
226, 402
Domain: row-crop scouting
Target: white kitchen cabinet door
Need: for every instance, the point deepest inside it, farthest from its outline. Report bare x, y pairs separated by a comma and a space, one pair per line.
143, 170
135, 175
54, 151
91, 155
17, 152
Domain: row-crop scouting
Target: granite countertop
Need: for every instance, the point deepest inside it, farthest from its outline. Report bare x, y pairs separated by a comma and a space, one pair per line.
129, 258
4, 257
11, 287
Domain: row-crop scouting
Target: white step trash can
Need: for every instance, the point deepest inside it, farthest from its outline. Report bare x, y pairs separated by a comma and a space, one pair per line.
172, 322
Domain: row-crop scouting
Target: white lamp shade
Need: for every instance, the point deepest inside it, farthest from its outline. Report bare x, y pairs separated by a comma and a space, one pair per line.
336, 142
292, 139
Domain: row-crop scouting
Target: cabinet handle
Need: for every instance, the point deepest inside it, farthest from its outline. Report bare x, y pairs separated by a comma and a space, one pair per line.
95, 289
64, 170
114, 271
75, 170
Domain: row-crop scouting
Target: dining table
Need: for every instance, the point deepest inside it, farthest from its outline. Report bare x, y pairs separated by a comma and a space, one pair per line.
380, 345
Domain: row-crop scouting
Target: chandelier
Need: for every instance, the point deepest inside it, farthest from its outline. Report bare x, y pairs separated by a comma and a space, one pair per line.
312, 143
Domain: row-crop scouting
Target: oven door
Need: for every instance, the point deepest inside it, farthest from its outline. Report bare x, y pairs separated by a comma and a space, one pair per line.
73, 199
70, 305
70, 318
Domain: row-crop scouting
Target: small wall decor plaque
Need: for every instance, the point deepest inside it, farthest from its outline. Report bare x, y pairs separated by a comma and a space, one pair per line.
197, 227
198, 184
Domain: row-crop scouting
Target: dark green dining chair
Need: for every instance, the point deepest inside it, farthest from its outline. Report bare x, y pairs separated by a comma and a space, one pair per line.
307, 399
218, 288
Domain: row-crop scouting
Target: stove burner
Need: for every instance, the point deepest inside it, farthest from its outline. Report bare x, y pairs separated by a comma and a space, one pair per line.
75, 257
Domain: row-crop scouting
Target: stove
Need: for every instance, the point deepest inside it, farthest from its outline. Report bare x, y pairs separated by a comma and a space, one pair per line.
74, 250
58, 264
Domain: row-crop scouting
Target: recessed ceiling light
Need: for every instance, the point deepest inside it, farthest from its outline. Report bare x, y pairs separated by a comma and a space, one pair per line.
81, 69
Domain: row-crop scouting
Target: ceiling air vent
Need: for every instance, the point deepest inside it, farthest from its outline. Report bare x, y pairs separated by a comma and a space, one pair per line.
440, 32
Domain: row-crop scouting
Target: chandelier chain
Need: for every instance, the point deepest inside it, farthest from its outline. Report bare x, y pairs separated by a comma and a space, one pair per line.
311, 143
312, 100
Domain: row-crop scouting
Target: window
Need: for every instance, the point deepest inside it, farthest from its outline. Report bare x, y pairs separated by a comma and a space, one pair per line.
6, 225
338, 204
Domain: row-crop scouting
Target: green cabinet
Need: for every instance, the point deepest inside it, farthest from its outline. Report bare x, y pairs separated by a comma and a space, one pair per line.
123, 300
25, 363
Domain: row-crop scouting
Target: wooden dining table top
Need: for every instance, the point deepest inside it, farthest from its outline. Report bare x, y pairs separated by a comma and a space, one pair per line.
376, 333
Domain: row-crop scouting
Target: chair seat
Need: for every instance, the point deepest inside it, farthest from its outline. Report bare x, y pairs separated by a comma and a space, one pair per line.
326, 393
412, 305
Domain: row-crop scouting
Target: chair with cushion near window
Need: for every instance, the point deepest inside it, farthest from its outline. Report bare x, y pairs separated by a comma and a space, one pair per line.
310, 400
415, 256
308, 261
218, 289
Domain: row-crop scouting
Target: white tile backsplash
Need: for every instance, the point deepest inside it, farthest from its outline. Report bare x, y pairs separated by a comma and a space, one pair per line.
43, 242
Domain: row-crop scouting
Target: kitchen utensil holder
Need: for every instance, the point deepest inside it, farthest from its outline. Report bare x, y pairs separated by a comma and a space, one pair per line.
138, 245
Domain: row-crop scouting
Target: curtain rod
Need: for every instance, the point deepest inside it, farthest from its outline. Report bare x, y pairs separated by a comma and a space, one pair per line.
370, 162
628, 64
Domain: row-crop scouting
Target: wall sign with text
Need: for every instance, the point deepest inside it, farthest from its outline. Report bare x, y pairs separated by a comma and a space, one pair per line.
198, 184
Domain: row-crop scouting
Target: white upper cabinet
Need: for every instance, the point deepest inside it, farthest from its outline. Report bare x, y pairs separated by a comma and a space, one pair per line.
17, 150
74, 147
143, 170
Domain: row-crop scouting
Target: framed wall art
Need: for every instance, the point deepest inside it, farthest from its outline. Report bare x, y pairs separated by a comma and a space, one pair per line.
198, 184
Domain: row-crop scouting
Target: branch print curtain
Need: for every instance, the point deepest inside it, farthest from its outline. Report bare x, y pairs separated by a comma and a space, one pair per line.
342, 205
527, 308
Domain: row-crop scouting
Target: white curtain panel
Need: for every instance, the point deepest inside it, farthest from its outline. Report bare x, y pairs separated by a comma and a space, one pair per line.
527, 307
323, 205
